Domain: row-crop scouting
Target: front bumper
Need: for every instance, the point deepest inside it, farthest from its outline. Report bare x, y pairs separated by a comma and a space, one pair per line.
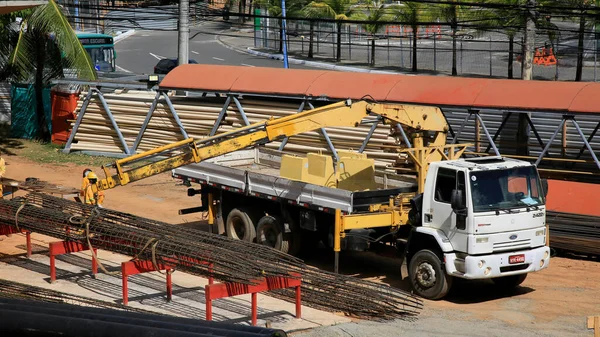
497, 265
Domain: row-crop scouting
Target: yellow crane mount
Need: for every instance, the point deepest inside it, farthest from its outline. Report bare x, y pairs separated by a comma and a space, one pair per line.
418, 119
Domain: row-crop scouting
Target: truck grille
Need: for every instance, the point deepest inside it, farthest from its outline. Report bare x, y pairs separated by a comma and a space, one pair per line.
511, 245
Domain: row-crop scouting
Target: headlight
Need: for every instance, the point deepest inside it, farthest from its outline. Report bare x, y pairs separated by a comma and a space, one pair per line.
481, 240
481, 263
487, 270
546, 255
540, 232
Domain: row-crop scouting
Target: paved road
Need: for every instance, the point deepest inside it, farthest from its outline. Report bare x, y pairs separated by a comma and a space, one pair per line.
140, 52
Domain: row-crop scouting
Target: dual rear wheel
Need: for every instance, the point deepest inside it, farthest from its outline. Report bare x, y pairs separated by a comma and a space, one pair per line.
269, 230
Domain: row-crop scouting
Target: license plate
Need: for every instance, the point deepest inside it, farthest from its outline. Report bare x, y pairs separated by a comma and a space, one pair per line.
516, 259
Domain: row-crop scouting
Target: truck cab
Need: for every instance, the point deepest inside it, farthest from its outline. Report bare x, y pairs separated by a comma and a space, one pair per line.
481, 218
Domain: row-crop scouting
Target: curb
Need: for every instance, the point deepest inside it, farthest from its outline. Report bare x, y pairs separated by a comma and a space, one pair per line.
123, 36
316, 64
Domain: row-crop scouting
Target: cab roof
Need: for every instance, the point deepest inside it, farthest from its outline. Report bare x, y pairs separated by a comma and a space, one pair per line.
484, 163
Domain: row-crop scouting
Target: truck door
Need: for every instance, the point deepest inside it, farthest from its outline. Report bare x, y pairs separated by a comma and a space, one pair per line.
443, 217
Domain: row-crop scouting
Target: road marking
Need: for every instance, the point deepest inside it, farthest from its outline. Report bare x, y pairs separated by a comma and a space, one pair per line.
123, 69
219, 59
195, 52
158, 57
248, 65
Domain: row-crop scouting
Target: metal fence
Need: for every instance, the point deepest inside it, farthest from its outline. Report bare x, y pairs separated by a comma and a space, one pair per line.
477, 53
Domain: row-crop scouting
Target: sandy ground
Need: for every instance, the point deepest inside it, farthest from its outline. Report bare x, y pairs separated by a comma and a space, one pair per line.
554, 302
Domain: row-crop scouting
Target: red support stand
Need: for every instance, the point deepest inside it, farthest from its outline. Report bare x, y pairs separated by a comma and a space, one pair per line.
9, 230
129, 268
221, 290
67, 247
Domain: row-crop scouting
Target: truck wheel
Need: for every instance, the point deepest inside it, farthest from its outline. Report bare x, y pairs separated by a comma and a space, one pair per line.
269, 232
509, 282
239, 226
427, 275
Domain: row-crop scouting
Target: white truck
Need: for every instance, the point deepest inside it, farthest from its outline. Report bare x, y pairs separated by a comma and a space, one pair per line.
468, 218
478, 218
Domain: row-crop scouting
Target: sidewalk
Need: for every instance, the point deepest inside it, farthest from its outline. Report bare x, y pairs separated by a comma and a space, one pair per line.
243, 41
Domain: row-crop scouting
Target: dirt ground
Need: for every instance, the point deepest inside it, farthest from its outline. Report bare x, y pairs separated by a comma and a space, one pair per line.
560, 297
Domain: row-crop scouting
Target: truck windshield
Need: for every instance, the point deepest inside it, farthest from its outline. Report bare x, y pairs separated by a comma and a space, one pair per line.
505, 189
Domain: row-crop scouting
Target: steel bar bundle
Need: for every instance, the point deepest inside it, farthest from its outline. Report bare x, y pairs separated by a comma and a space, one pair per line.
198, 117
574, 232
19, 317
323, 290
10, 289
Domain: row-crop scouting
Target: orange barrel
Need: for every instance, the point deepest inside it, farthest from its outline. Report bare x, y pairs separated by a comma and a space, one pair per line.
64, 105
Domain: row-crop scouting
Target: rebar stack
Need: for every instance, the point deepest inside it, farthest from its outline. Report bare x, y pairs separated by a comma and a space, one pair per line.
9, 289
184, 248
574, 232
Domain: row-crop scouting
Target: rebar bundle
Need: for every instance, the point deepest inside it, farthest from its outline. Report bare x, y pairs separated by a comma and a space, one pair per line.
9, 289
190, 250
574, 232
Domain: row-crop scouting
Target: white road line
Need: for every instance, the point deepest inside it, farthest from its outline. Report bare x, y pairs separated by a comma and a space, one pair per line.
219, 59
158, 57
123, 69
248, 65
195, 52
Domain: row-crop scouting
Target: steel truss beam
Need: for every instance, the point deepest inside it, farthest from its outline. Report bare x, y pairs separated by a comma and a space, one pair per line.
127, 150
586, 143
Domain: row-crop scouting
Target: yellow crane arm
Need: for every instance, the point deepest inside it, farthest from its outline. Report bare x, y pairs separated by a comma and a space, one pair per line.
341, 114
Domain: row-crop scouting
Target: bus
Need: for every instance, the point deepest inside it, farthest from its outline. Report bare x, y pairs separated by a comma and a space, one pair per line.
101, 49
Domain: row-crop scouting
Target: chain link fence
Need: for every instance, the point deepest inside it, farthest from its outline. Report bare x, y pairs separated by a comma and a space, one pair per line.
477, 53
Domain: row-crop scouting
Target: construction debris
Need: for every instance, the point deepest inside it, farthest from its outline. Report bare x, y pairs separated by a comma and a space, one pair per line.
204, 254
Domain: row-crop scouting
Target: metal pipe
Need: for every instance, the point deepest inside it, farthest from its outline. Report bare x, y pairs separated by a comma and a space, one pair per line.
86, 102
487, 134
369, 135
587, 144
241, 110
221, 116
146, 121
177, 120
112, 120
462, 126
562, 122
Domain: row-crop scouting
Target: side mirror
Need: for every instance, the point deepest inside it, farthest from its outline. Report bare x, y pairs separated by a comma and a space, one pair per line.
545, 187
458, 201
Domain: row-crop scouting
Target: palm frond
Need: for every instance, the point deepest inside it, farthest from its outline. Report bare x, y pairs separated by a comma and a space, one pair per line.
50, 19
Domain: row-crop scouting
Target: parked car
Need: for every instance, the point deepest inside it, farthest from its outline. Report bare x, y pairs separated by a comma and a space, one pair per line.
164, 66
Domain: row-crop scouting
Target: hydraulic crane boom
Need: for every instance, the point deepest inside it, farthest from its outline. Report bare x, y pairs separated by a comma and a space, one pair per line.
342, 114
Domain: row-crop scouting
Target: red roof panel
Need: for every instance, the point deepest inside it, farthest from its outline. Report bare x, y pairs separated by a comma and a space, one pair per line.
435, 90
342, 85
272, 81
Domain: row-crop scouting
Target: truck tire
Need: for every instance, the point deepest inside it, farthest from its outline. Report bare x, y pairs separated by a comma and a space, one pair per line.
509, 282
240, 226
269, 232
427, 275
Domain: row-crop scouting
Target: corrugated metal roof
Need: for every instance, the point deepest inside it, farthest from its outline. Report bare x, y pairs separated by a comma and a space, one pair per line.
478, 93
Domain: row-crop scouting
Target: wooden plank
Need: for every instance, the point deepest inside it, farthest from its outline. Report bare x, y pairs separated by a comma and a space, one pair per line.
597, 326
590, 322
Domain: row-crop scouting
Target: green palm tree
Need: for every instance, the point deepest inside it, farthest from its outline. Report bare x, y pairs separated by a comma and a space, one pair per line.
339, 10
375, 17
412, 14
45, 47
292, 9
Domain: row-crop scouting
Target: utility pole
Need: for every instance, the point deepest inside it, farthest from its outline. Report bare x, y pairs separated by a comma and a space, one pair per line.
528, 48
527, 74
184, 32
